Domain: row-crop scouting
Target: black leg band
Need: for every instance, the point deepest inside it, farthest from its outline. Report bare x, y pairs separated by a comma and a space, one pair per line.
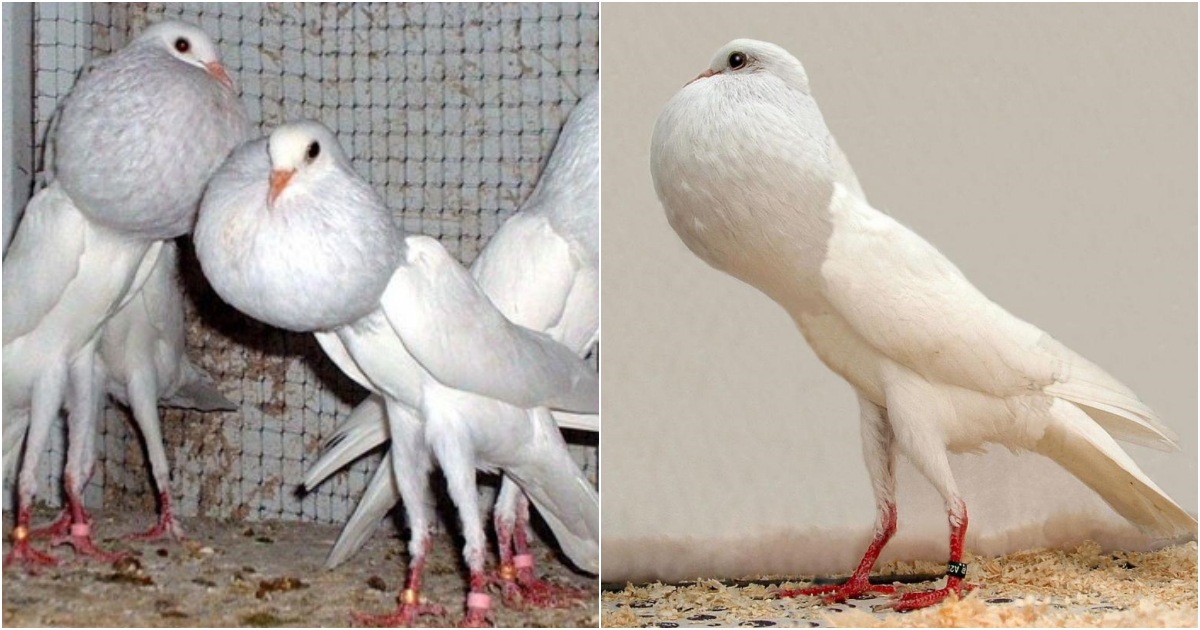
956, 569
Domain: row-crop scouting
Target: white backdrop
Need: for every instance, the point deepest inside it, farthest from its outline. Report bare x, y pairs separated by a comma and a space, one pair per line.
1050, 151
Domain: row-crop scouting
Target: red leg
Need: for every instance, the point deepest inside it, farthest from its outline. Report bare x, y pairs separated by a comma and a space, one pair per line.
166, 526
506, 574
858, 583
80, 534
519, 581
22, 553
410, 605
956, 570
479, 603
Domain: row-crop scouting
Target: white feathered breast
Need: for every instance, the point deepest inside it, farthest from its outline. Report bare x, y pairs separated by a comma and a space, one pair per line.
139, 137
313, 261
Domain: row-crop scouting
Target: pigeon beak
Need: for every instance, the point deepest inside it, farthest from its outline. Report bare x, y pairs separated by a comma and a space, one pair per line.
218, 72
703, 75
279, 181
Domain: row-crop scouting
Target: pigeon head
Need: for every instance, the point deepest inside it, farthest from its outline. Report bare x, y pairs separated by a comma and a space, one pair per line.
752, 60
301, 153
188, 44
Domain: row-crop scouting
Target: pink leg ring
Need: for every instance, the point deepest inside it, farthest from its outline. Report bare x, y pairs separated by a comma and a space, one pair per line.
523, 561
81, 529
479, 601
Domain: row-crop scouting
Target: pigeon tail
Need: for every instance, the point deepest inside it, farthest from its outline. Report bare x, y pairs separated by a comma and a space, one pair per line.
1080, 445
379, 497
365, 429
198, 392
564, 497
1110, 403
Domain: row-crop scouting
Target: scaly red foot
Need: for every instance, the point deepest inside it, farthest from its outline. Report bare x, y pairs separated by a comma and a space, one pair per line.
840, 592
80, 539
405, 616
166, 526
520, 587
924, 599
25, 555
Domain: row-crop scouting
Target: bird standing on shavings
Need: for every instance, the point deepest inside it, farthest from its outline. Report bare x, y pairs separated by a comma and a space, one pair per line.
755, 185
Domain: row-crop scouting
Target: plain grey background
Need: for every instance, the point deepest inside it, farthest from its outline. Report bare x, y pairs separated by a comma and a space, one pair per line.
1048, 150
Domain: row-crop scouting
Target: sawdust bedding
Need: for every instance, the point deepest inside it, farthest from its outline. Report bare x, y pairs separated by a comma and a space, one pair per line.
260, 574
1044, 588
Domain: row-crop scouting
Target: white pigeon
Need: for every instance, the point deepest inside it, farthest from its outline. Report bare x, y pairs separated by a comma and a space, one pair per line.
754, 184
136, 139
143, 358
290, 235
141, 363
541, 270
141, 133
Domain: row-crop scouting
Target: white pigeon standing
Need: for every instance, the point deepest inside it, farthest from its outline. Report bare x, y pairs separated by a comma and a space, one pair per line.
754, 184
142, 363
142, 349
541, 270
136, 140
290, 235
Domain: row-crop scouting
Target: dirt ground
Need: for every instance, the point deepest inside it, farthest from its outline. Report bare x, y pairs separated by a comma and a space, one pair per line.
1084, 587
264, 574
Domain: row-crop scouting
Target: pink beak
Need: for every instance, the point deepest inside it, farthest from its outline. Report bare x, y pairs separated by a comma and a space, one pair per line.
218, 72
279, 181
702, 75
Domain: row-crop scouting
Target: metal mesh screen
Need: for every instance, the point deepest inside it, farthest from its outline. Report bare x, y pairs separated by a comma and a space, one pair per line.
448, 109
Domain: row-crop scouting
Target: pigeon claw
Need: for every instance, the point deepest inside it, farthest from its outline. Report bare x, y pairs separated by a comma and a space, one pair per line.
166, 526
522, 589
80, 539
840, 592
24, 555
405, 615
923, 599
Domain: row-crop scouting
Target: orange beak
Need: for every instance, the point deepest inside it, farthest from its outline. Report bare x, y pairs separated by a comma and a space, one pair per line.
279, 181
702, 75
218, 72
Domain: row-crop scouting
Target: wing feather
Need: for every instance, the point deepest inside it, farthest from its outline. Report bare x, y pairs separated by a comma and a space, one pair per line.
42, 260
909, 302
457, 334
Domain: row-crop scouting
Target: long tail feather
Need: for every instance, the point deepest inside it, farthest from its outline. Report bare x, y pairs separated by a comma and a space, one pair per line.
1110, 403
380, 496
1081, 446
364, 430
564, 497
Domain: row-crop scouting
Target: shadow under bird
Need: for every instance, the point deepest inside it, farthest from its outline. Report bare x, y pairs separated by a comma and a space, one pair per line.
290, 235
755, 185
541, 270
134, 142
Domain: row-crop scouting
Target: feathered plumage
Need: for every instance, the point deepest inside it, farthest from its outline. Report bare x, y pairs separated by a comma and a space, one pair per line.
432, 341
754, 184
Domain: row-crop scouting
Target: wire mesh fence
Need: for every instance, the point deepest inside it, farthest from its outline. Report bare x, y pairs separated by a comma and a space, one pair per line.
449, 110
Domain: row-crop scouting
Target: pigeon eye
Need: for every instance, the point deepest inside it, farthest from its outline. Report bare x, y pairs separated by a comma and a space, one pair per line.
314, 150
737, 60
183, 45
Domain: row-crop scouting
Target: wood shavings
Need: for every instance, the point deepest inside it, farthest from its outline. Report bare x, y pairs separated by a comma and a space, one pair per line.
1086, 586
